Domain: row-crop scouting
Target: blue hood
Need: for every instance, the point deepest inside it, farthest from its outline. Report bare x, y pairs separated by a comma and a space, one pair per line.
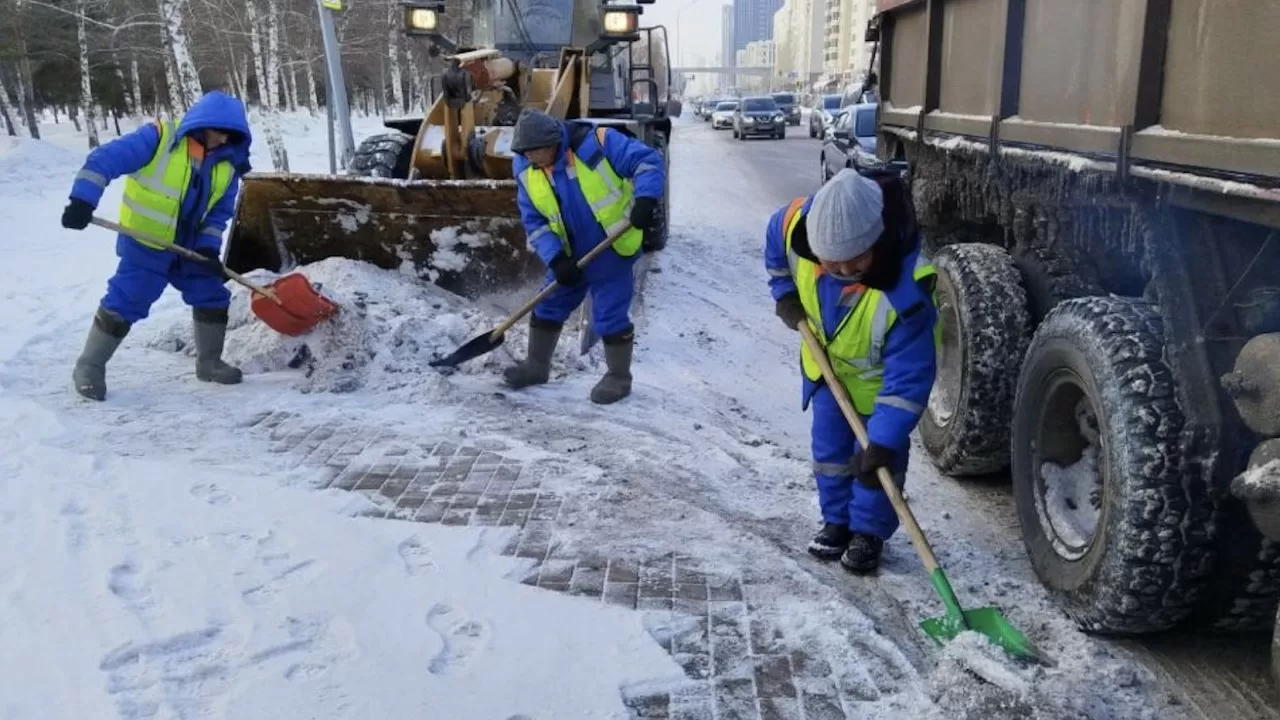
220, 111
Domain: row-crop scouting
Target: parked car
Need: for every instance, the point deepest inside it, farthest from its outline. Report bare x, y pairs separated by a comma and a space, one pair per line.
790, 107
759, 116
824, 109
706, 107
851, 134
722, 116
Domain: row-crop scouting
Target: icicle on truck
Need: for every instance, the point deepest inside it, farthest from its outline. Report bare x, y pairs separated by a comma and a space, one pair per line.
1100, 184
437, 191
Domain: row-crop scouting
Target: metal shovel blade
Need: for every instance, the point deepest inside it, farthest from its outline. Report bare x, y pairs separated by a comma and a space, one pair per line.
990, 622
471, 349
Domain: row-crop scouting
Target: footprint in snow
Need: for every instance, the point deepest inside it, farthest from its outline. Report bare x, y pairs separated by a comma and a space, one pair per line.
463, 638
212, 494
126, 583
416, 555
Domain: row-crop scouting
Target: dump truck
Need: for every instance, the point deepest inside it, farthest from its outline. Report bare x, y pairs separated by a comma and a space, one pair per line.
1099, 185
436, 193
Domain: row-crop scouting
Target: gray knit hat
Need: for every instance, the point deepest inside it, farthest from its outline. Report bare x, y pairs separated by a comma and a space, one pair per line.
844, 219
535, 129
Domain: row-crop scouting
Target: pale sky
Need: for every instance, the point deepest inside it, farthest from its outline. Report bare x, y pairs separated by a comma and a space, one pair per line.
698, 30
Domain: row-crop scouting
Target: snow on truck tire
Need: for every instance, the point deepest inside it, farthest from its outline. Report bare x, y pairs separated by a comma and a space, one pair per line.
986, 329
389, 155
1111, 522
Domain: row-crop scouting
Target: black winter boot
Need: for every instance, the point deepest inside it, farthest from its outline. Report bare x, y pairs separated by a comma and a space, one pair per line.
616, 383
536, 368
211, 332
863, 555
830, 541
90, 373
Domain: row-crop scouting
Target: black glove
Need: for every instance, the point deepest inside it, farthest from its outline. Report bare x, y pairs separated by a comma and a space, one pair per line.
566, 270
643, 213
211, 263
77, 214
872, 459
790, 309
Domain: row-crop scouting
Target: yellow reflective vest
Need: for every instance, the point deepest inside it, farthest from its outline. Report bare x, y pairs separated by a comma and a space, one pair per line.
856, 350
153, 195
609, 195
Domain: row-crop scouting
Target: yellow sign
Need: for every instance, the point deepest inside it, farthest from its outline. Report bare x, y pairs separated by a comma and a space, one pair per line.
335, 5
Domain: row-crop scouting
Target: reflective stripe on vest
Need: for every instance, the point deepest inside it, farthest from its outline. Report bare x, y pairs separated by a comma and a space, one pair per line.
609, 196
153, 195
856, 351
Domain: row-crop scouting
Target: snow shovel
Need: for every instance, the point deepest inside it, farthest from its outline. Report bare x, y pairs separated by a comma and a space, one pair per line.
490, 341
987, 621
289, 305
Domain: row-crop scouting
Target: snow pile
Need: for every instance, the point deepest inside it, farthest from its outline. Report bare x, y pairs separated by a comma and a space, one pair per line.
1261, 482
389, 329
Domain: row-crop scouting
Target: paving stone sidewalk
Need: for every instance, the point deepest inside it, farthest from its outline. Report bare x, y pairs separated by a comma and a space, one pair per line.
740, 664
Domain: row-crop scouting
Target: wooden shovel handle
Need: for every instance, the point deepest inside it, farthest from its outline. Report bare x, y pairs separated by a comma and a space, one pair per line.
582, 264
886, 479
189, 254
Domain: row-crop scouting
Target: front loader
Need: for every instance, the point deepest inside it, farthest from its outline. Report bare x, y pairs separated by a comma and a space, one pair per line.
437, 193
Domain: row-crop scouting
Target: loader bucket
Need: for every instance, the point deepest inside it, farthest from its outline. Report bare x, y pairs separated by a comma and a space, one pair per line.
464, 235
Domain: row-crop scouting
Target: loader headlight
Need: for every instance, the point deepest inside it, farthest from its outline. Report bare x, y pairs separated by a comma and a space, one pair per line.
422, 18
621, 21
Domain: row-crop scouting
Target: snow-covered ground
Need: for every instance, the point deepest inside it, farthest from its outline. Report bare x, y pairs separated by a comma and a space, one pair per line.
162, 555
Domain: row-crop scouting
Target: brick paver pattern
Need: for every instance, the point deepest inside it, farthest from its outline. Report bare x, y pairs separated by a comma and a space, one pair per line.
740, 665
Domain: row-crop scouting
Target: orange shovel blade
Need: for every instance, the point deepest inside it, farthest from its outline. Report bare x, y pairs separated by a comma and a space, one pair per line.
300, 308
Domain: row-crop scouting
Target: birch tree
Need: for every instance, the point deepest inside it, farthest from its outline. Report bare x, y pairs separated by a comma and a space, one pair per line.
87, 105
26, 87
393, 55
7, 109
266, 85
185, 75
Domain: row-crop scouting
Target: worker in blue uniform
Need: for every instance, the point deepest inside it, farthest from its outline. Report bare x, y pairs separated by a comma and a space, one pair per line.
578, 184
182, 178
848, 261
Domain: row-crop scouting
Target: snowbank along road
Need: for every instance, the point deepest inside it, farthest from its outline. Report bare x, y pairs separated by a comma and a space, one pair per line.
190, 551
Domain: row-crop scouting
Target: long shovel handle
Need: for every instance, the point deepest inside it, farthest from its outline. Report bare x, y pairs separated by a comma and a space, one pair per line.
582, 264
886, 479
187, 253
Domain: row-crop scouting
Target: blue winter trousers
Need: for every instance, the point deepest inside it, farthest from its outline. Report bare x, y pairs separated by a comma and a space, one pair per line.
610, 301
143, 273
836, 455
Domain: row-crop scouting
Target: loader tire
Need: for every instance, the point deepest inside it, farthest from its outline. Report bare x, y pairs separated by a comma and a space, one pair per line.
1275, 651
1244, 592
389, 155
1127, 550
985, 332
656, 239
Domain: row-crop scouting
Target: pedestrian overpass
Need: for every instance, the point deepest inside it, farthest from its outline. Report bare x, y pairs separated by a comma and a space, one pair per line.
734, 71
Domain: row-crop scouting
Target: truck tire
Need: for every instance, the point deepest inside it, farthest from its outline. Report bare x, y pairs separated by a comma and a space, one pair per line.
389, 155
1245, 587
1126, 549
985, 331
1275, 651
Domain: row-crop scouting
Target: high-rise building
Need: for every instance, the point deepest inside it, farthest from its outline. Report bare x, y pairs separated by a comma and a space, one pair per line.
727, 48
752, 21
844, 51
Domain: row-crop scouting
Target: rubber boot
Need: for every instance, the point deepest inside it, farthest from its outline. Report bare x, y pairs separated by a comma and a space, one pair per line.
830, 542
90, 373
211, 331
536, 368
616, 383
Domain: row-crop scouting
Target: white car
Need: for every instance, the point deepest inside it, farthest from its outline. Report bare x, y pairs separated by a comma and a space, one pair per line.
722, 116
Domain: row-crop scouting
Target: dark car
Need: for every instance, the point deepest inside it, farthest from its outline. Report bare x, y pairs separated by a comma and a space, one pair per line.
851, 134
759, 116
824, 109
789, 105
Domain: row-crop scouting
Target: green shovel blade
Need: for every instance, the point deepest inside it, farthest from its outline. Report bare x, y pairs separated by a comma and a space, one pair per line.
986, 621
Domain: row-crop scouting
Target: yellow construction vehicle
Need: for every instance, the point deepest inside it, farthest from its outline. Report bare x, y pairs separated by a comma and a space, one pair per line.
437, 192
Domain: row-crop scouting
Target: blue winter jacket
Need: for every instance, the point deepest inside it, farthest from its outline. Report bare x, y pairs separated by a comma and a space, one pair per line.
132, 152
629, 157
910, 357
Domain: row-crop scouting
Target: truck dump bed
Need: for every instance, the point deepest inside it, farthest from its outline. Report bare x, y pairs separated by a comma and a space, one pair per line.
1188, 85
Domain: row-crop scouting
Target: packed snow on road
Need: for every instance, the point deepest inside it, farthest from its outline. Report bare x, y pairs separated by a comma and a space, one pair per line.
353, 534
